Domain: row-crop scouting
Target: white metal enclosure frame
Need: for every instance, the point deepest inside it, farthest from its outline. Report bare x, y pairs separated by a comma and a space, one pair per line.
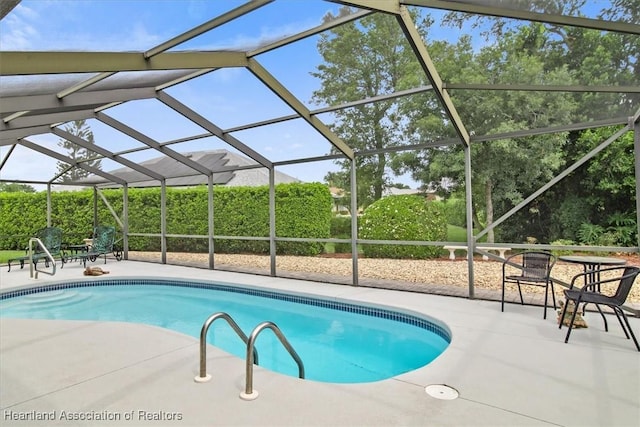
92, 82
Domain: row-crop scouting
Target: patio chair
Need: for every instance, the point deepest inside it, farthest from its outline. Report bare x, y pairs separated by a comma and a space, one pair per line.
102, 244
594, 293
51, 238
535, 270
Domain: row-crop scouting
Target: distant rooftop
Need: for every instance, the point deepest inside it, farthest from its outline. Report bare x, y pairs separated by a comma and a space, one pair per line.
180, 175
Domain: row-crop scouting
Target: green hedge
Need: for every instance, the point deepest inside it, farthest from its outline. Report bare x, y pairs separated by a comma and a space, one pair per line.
302, 210
341, 229
403, 218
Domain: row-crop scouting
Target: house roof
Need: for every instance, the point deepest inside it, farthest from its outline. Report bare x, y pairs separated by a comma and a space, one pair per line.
179, 175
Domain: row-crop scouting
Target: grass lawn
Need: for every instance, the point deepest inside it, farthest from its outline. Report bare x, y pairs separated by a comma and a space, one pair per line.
459, 234
7, 255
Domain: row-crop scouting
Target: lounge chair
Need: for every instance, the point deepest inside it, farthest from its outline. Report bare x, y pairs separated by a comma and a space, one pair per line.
51, 238
102, 244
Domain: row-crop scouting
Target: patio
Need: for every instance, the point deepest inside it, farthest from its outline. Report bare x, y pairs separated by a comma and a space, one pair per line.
510, 368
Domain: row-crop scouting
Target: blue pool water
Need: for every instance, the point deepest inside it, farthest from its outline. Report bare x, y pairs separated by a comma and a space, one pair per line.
337, 341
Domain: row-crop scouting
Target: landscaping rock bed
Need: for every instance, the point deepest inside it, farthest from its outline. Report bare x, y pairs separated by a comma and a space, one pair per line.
432, 276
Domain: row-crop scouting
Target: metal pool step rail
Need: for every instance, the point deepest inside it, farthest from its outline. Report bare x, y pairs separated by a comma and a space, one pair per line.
33, 269
252, 354
249, 393
203, 376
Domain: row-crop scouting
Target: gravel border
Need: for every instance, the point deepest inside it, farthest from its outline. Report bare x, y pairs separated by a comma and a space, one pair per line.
448, 277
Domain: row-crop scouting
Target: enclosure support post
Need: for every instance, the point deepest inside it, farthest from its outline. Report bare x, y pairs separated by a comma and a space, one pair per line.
95, 207
49, 204
469, 204
272, 219
635, 125
211, 223
354, 223
125, 221
163, 220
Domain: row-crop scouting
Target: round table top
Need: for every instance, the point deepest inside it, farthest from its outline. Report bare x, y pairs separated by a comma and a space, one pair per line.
592, 260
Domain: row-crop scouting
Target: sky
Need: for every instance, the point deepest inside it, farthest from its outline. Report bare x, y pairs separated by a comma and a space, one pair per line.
227, 97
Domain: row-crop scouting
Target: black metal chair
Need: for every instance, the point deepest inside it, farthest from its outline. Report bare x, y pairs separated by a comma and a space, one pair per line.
535, 270
590, 294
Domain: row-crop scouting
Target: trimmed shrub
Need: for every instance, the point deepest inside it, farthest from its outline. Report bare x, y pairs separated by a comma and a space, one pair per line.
403, 218
340, 226
341, 229
562, 242
455, 211
302, 210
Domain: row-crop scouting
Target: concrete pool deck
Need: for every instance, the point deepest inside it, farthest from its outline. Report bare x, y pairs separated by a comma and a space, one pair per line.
510, 369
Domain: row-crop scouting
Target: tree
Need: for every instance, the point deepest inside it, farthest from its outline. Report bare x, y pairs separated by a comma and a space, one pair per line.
362, 60
601, 190
14, 187
538, 53
81, 129
504, 171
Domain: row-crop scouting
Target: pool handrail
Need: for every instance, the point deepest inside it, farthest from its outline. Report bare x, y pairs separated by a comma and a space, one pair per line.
203, 376
249, 393
34, 268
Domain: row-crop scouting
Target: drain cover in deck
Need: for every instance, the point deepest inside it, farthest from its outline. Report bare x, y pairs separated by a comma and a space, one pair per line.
441, 391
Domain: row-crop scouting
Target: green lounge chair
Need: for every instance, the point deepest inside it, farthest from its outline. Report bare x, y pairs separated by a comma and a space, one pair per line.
102, 244
51, 238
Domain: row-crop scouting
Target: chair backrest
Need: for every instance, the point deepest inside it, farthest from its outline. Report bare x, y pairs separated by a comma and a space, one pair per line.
537, 264
51, 238
103, 237
627, 279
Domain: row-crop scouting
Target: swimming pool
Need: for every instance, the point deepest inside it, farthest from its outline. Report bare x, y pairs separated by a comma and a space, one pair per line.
338, 341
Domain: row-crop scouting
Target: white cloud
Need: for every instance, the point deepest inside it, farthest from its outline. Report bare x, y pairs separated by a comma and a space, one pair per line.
18, 33
226, 75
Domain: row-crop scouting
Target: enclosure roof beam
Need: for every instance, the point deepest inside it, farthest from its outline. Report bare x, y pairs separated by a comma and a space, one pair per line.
504, 12
298, 107
418, 46
387, 6
11, 136
207, 26
22, 181
6, 157
45, 119
215, 130
186, 78
543, 88
549, 130
34, 63
45, 102
84, 84
139, 136
332, 108
106, 153
71, 161
311, 32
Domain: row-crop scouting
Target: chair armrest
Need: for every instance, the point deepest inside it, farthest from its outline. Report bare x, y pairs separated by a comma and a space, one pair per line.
588, 287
